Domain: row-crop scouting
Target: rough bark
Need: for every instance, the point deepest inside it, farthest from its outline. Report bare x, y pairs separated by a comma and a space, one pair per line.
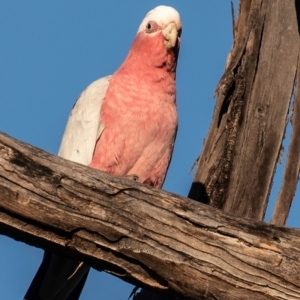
244, 143
142, 235
291, 173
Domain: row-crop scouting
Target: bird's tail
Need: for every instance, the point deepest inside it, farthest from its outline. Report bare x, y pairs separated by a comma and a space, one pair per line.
58, 278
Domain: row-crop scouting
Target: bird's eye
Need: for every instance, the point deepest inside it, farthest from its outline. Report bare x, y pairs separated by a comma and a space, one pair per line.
148, 26
151, 27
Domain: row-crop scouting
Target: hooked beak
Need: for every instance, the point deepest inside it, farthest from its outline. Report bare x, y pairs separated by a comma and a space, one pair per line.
170, 34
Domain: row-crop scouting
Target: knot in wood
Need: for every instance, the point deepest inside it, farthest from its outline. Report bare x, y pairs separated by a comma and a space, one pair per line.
261, 111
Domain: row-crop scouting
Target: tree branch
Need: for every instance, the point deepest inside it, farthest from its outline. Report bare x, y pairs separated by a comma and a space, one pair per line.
145, 236
292, 168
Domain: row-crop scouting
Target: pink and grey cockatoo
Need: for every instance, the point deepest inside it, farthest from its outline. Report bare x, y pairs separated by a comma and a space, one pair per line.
124, 124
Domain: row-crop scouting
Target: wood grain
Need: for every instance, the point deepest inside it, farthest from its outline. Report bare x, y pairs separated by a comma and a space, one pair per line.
244, 142
145, 236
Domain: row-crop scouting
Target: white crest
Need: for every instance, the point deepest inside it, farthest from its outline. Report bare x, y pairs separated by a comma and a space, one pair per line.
163, 16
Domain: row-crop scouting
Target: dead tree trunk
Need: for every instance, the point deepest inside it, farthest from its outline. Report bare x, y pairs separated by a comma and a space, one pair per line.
241, 151
142, 235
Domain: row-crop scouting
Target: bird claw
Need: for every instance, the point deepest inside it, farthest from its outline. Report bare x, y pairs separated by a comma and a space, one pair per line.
132, 177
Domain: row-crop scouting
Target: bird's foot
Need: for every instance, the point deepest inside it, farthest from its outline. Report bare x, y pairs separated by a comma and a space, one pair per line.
132, 177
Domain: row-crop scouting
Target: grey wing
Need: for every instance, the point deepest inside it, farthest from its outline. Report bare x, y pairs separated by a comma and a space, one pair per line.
84, 126
59, 276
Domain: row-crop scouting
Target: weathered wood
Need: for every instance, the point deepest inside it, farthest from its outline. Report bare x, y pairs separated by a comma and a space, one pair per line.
291, 172
143, 235
242, 148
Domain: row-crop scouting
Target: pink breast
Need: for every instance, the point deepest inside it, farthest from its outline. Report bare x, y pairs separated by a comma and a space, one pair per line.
140, 122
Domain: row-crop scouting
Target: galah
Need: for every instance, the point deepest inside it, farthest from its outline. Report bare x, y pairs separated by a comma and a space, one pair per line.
124, 124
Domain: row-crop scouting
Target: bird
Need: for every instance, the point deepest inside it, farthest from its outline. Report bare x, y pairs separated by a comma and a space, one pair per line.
124, 124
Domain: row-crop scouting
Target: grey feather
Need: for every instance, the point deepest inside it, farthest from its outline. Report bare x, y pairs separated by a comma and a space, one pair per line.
84, 127
78, 143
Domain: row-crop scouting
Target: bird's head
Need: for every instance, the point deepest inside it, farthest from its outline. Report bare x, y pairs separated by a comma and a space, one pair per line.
162, 21
158, 39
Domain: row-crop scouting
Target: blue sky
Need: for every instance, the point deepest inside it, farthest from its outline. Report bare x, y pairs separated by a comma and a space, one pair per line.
50, 51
